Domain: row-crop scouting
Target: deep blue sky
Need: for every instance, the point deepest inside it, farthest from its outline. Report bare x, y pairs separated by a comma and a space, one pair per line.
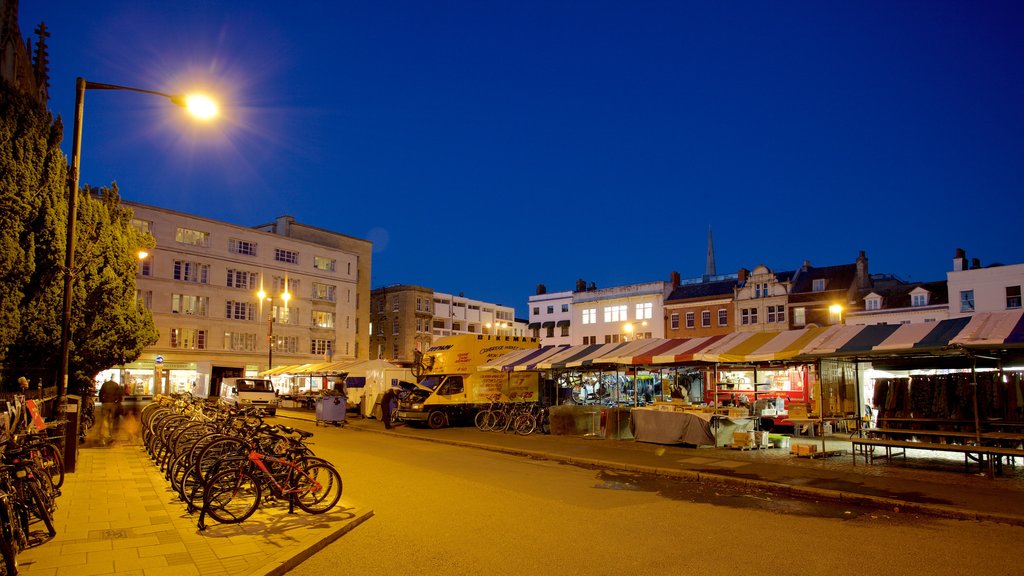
486, 147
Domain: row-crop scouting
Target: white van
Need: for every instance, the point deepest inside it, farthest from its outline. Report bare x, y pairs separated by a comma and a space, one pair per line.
257, 392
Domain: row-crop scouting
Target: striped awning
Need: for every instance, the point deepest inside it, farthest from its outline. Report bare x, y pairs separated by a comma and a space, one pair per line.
521, 360
568, 355
992, 329
627, 352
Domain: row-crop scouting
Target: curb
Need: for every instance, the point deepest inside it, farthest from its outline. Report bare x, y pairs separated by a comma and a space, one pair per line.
284, 562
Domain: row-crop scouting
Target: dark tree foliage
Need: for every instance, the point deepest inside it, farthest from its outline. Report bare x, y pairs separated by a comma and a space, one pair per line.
106, 328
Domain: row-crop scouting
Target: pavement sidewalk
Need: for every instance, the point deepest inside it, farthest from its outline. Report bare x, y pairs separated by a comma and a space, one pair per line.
117, 515
922, 483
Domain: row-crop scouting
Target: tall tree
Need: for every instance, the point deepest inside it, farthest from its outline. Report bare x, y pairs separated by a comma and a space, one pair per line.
107, 328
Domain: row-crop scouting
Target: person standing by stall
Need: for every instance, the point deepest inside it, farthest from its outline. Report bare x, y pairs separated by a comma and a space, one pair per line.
387, 406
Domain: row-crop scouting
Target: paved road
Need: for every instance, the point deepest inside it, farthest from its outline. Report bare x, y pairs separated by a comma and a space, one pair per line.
442, 509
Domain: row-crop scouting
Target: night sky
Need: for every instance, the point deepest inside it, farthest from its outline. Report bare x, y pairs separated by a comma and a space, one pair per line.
486, 147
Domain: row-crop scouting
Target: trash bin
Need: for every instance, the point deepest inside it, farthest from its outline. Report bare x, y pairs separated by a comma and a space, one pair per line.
72, 418
331, 409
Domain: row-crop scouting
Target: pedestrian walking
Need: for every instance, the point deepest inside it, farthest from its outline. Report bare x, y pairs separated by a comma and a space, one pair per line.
111, 394
387, 406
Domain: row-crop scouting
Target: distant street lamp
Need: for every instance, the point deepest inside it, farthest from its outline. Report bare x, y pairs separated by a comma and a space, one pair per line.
264, 297
201, 107
630, 330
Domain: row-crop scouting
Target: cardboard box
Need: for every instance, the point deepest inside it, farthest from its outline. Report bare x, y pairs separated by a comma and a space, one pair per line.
797, 410
741, 438
803, 449
739, 413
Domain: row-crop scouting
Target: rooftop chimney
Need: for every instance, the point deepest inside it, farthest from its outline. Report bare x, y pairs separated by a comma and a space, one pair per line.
674, 278
541, 289
581, 285
960, 260
741, 275
975, 263
863, 278
282, 225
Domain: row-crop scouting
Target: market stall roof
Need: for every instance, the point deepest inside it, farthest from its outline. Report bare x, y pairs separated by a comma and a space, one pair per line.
279, 370
736, 349
624, 354
567, 355
510, 360
988, 329
782, 346
591, 358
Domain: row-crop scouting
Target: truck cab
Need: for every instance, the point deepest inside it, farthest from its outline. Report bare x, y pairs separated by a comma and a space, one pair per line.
451, 389
258, 392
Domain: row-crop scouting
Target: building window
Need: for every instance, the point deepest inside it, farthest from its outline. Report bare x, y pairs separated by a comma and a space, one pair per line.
551, 309
288, 344
873, 304
1012, 297
761, 290
611, 338
919, 300
643, 311
565, 307
143, 226
799, 317
967, 300
590, 315
284, 315
144, 299
674, 321
748, 316
550, 331
394, 326
188, 339
394, 349
615, 313
323, 292
243, 247
191, 271
818, 285
320, 346
776, 313
323, 319
146, 266
189, 305
689, 319
394, 304
242, 279
286, 256
705, 318
282, 284
235, 310
239, 342
192, 237
723, 317
565, 331
536, 310
587, 340
325, 264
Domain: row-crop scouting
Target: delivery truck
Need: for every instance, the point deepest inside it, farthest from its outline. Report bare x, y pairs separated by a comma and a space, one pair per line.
450, 388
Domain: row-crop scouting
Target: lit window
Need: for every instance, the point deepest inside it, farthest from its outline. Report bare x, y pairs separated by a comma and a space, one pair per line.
192, 237
326, 264
615, 313
323, 319
589, 316
873, 304
643, 311
919, 300
799, 317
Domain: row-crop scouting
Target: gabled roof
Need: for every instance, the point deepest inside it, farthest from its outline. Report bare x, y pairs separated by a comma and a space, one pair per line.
702, 290
836, 278
894, 297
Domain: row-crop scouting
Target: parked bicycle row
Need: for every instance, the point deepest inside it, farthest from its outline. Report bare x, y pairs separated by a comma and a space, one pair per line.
225, 462
31, 474
522, 416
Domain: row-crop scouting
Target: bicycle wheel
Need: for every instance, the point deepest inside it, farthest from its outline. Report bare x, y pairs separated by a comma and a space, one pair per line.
38, 506
8, 559
53, 463
481, 419
525, 424
320, 487
231, 496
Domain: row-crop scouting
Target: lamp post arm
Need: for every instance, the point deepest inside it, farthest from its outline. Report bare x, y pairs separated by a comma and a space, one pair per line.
177, 99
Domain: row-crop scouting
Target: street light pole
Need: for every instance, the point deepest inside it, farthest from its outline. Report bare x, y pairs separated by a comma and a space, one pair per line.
201, 107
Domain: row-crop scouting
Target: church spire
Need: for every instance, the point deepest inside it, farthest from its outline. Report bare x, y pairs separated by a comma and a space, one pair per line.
709, 268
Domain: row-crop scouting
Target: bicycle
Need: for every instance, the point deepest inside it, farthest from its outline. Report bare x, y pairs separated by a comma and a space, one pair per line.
233, 494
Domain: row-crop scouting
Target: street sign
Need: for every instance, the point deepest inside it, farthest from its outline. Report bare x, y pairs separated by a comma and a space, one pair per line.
159, 359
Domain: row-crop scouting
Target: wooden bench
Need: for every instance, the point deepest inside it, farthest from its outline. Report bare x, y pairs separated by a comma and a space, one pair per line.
994, 453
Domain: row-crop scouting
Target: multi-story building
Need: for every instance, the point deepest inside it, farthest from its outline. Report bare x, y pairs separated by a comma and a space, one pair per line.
823, 296
902, 303
25, 71
976, 289
700, 306
401, 319
408, 318
231, 301
760, 299
618, 314
461, 315
550, 318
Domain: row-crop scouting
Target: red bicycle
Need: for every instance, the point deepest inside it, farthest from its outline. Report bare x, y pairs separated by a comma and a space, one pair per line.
233, 492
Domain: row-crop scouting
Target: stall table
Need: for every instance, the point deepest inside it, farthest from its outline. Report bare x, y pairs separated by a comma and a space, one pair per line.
671, 427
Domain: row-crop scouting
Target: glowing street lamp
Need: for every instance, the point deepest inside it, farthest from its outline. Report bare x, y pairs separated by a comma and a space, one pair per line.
201, 107
631, 329
836, 312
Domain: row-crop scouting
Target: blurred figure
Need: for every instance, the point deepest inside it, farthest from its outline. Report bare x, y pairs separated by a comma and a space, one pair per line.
111, 395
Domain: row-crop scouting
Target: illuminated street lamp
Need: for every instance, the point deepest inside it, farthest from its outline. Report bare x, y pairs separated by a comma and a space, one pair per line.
264, 297
201, 107
630, 329
836, 313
